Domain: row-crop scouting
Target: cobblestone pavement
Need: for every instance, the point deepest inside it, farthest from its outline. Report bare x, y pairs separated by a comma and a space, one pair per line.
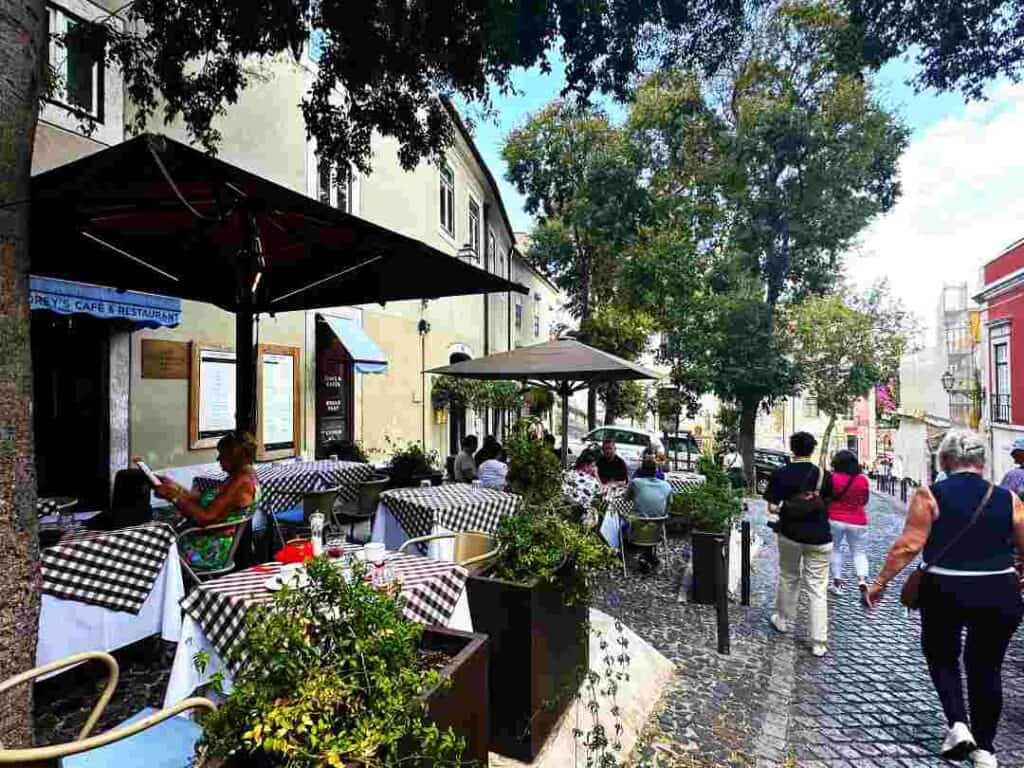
868, 703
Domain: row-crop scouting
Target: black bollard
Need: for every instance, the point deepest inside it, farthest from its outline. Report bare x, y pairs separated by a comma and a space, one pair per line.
745, 564
722, 601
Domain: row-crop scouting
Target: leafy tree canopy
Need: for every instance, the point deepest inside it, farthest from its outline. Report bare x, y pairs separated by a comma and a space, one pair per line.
381, 65
957, 44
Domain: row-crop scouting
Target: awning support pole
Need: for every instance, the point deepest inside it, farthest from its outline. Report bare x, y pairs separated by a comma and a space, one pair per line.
245, 372
563, 390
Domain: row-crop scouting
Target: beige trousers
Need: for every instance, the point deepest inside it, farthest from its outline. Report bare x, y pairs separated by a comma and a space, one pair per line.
804, 565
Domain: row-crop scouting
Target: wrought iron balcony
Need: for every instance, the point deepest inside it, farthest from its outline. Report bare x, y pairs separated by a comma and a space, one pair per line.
1000, 409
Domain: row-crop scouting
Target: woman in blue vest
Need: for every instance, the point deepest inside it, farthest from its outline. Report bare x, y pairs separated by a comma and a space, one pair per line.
971, 583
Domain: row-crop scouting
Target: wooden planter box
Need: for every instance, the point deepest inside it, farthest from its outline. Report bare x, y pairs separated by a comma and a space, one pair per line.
461, 707
705, 549
538, 652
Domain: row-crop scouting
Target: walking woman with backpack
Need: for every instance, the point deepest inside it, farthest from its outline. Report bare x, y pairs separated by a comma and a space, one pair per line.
798, 493
970, 533
848, 519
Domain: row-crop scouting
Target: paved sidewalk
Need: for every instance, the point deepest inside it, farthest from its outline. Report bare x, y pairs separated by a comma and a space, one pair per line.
868, 703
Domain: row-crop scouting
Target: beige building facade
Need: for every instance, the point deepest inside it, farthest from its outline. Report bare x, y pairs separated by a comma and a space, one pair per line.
454, 207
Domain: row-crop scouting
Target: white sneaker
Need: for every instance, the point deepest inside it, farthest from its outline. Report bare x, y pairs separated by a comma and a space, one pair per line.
982, 758
819, 649
779, 624
835, 589
959, 743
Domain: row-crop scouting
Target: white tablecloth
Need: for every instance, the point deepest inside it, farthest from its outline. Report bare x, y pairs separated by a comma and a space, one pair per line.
389, 532
185, 678
67, 627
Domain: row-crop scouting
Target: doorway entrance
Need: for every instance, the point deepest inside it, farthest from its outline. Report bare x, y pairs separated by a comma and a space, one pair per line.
71, 406
457, 416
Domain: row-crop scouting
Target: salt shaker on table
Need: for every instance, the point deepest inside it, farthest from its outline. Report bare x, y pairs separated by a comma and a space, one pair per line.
316, 533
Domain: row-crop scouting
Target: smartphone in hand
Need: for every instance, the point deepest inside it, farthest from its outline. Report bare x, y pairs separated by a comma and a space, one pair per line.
150, 475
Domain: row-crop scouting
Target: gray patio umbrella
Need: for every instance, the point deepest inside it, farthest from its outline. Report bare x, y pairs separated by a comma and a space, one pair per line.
563, 366
157, 216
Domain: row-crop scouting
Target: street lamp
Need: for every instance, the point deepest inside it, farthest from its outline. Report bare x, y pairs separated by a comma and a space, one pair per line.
948, 381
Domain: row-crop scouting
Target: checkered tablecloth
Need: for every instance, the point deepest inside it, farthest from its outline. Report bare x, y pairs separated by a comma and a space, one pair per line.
454, 507
111, 569
618, 504
282, 483
430, 592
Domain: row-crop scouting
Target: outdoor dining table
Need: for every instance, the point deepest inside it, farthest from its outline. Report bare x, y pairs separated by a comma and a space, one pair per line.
433, 592
283, 483
619, 505
102, 590
408, 513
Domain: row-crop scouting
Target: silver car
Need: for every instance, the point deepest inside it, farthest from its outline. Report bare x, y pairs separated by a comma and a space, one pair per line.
631, 443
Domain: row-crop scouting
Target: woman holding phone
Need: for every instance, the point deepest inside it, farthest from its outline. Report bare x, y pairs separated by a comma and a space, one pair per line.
234, 500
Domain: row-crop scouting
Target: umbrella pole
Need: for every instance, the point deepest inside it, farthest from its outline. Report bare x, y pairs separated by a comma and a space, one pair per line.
564, 392
245, 372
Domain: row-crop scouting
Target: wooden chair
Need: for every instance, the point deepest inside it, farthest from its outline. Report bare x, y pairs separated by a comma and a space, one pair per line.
199, 575
474, 550
155, 739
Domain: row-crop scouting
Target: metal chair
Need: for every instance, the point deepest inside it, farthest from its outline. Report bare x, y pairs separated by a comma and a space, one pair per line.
199, 575
158, 739
474, 550
361, 509
297, 518
643, 532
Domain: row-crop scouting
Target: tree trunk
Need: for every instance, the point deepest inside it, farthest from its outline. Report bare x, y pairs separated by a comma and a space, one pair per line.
591, 408
748, 422
823, 453
21, 44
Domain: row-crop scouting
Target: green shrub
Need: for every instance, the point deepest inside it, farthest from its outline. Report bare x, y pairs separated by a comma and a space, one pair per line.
710, 507
534, 471
409, 460
329, 675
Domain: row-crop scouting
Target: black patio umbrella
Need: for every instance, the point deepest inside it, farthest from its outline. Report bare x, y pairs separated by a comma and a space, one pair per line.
563, 366
157, 216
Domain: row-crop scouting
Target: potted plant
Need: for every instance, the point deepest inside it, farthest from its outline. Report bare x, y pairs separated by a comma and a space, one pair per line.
533, 606
709, 509
410, 465
332, 675
534, 471
539, 401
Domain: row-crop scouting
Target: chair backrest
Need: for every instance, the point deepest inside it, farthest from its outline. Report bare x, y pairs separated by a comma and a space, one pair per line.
645, 531
318, 501
473, 544
369, 494
130, 502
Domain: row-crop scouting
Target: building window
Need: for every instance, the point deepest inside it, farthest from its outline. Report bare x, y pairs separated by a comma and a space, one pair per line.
1001, 382
536, 314
474, 227
492, 252
448, 200
334, 188
519, 313
810, 404
76, 64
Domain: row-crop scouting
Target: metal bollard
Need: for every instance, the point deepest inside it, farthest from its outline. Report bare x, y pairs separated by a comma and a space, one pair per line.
745, 564
722, 601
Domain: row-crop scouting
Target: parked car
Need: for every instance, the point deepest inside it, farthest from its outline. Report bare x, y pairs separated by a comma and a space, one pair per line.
767, 461
683, 451
632, 442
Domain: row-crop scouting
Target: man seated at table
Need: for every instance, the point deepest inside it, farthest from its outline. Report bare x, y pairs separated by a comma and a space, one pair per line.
464, 470
234, 499
650, 496
658, 471
610, 467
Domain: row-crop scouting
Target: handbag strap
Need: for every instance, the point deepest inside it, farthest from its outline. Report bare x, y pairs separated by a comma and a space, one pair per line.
974, 518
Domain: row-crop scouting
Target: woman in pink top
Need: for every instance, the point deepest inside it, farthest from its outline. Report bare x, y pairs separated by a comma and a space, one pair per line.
847, 518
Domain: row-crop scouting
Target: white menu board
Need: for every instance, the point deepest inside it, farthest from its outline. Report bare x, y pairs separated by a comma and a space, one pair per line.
216, 392
278, 416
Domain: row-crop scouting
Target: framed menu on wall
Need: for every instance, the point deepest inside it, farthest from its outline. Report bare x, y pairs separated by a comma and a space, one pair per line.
279, 384
211, 394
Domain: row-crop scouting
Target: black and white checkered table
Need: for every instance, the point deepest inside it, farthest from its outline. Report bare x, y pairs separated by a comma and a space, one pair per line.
282, 483
111, 569
430, 592
680, 481
452, 507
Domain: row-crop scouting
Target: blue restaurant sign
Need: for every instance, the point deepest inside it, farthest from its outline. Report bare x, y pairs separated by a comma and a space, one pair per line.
67, 298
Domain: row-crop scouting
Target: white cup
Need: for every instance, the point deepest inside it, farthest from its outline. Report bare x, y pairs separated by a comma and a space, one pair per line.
374, 552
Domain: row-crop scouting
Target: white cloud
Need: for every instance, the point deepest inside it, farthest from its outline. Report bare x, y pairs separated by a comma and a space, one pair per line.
962, 203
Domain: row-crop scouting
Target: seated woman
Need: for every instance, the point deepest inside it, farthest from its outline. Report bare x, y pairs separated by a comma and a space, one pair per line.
582, 486
650, 495
235, 499
493, 471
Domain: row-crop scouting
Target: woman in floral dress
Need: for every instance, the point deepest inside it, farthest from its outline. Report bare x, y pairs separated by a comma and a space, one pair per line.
234, 500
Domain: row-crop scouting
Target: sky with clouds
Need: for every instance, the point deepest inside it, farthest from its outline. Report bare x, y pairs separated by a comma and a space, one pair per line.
962, 176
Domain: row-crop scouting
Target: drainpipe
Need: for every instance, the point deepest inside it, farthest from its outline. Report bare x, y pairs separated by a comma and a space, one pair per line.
484, 240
